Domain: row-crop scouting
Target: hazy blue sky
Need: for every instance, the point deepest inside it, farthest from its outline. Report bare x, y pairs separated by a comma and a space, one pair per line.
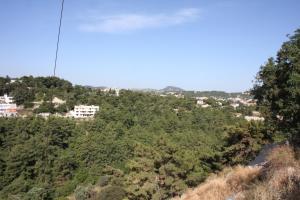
193, 44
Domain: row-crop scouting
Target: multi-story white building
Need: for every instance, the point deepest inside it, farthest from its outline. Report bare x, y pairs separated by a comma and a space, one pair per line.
8, 110
7, 107
6, 99
83, 111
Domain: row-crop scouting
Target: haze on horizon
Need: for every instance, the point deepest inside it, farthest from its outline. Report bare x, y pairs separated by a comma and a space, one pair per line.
207, 45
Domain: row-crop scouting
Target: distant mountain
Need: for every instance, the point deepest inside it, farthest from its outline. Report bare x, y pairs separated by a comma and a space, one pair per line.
172, 89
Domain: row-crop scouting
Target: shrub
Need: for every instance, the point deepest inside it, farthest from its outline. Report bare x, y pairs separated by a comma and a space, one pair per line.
37, 193
103, 181
112, 193
83, 193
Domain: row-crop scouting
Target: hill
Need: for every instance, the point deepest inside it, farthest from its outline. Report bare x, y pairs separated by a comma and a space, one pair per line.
171, 89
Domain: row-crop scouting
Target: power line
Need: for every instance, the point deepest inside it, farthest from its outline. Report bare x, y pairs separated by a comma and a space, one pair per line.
58, 35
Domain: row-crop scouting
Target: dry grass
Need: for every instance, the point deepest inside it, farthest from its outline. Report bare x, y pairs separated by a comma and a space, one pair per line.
224, 185
278, 180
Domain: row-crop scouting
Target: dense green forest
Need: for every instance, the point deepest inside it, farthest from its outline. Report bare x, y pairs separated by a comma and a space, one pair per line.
148, 146
139, 145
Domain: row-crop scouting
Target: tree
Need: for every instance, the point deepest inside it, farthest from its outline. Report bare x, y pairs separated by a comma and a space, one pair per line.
242, 143
23, 94
277, 89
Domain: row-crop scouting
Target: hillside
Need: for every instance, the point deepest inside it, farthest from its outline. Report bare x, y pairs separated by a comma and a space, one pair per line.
279, 178
137, 143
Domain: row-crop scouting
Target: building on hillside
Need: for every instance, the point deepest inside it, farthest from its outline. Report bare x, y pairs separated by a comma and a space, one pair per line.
180, 96
108, 90
256, 114
238, 114
7, 107
254, 118
84, 111
200, 102
58, 101
44, 115
6, 99
205, 106
201, 98
234, 105
8, 110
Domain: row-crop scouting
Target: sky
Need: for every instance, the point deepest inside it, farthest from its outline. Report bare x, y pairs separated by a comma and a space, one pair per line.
192, 44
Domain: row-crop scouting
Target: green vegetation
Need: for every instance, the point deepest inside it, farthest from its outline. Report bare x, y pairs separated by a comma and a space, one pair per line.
278, 90
218, 94
140, 145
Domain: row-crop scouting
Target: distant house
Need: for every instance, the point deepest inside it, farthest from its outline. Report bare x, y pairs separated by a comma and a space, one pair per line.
256, 113
7, 107
180, 96
175, 94
201, 98
58, 101
84, 111
44, 115
108, 90
8, 110
205, 106
6, 99
238, 114
254, 118
200, 102
235, 105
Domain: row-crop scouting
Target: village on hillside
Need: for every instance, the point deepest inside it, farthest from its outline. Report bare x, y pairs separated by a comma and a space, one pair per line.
8, 108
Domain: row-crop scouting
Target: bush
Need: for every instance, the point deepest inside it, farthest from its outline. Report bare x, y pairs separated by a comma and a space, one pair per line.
103, 181
112, 193
83, 193
37, 193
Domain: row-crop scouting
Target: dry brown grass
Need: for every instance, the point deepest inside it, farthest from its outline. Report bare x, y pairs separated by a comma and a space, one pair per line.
226, 184
278, 180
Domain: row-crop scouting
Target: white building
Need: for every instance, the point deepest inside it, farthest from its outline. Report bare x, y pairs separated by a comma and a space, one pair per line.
235, 105
6, 99
108, 90
254, 118
256, 113
201, 98
205, 106
83, 111
58, 101
8, 110
44, 115
7, 107
200, 102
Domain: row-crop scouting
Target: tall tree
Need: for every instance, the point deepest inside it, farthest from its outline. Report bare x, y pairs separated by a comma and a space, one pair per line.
278, 89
